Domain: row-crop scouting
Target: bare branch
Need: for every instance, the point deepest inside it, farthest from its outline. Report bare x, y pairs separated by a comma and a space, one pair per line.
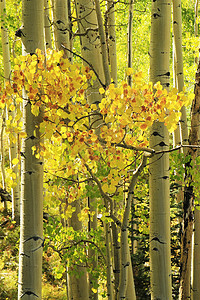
176, 148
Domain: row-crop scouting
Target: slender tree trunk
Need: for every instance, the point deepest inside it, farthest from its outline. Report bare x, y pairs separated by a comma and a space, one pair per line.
61, 25
47, 24
13, 140
90, 45
90, 51
4, 38
31, 213
196, 257
181, 133
160, 264
3, 174
78, 286
104, 48
92, 253
112, 39
188, 205
130, 33
196, 14
126, 284
116, 257
196, 244
53, 22
109, 268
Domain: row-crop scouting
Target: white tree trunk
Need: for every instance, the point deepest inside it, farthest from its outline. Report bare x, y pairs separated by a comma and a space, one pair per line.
109, 267
90, 45
130, 33
13, 141
31, 212
47, 24
181, 133
61, 25
112, 39
126, 283
160, 264
78, 286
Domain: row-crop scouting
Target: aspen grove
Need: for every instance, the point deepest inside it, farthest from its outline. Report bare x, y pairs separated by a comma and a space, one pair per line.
99, 143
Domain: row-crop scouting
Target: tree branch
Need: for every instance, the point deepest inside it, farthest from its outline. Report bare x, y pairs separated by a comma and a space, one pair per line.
87, 62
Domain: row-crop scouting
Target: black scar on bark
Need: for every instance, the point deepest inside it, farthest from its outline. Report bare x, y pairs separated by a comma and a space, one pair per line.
155, 133
157, 240
28, 293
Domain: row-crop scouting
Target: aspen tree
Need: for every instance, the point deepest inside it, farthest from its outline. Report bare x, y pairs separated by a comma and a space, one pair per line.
181, 137
188, 206
196, 14
78, 285
6, 61
160, 265
31, 211
47, 24
188, 209
3, 173
195, 295
109, 275
130, 32
181, 133
13, 145
126, 284
196, 257
196, 242
61, 24
104, 49
112, 40
90, 51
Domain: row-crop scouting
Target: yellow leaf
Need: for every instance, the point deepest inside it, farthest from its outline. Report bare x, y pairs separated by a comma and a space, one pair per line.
129, 71
23, 134
93, 107
101, 91
15, 161
105, 187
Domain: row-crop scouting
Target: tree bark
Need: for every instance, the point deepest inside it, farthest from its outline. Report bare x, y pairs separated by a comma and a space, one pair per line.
47, 25
160, 264
104, 48
130, 33
112, 39
188, 204
61, 25
78, 286
92, 224
126, 282
196, 14
13, 140
181, 133
90, 45
31, 212
109, 266
196, 257
116, 256
196, 245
